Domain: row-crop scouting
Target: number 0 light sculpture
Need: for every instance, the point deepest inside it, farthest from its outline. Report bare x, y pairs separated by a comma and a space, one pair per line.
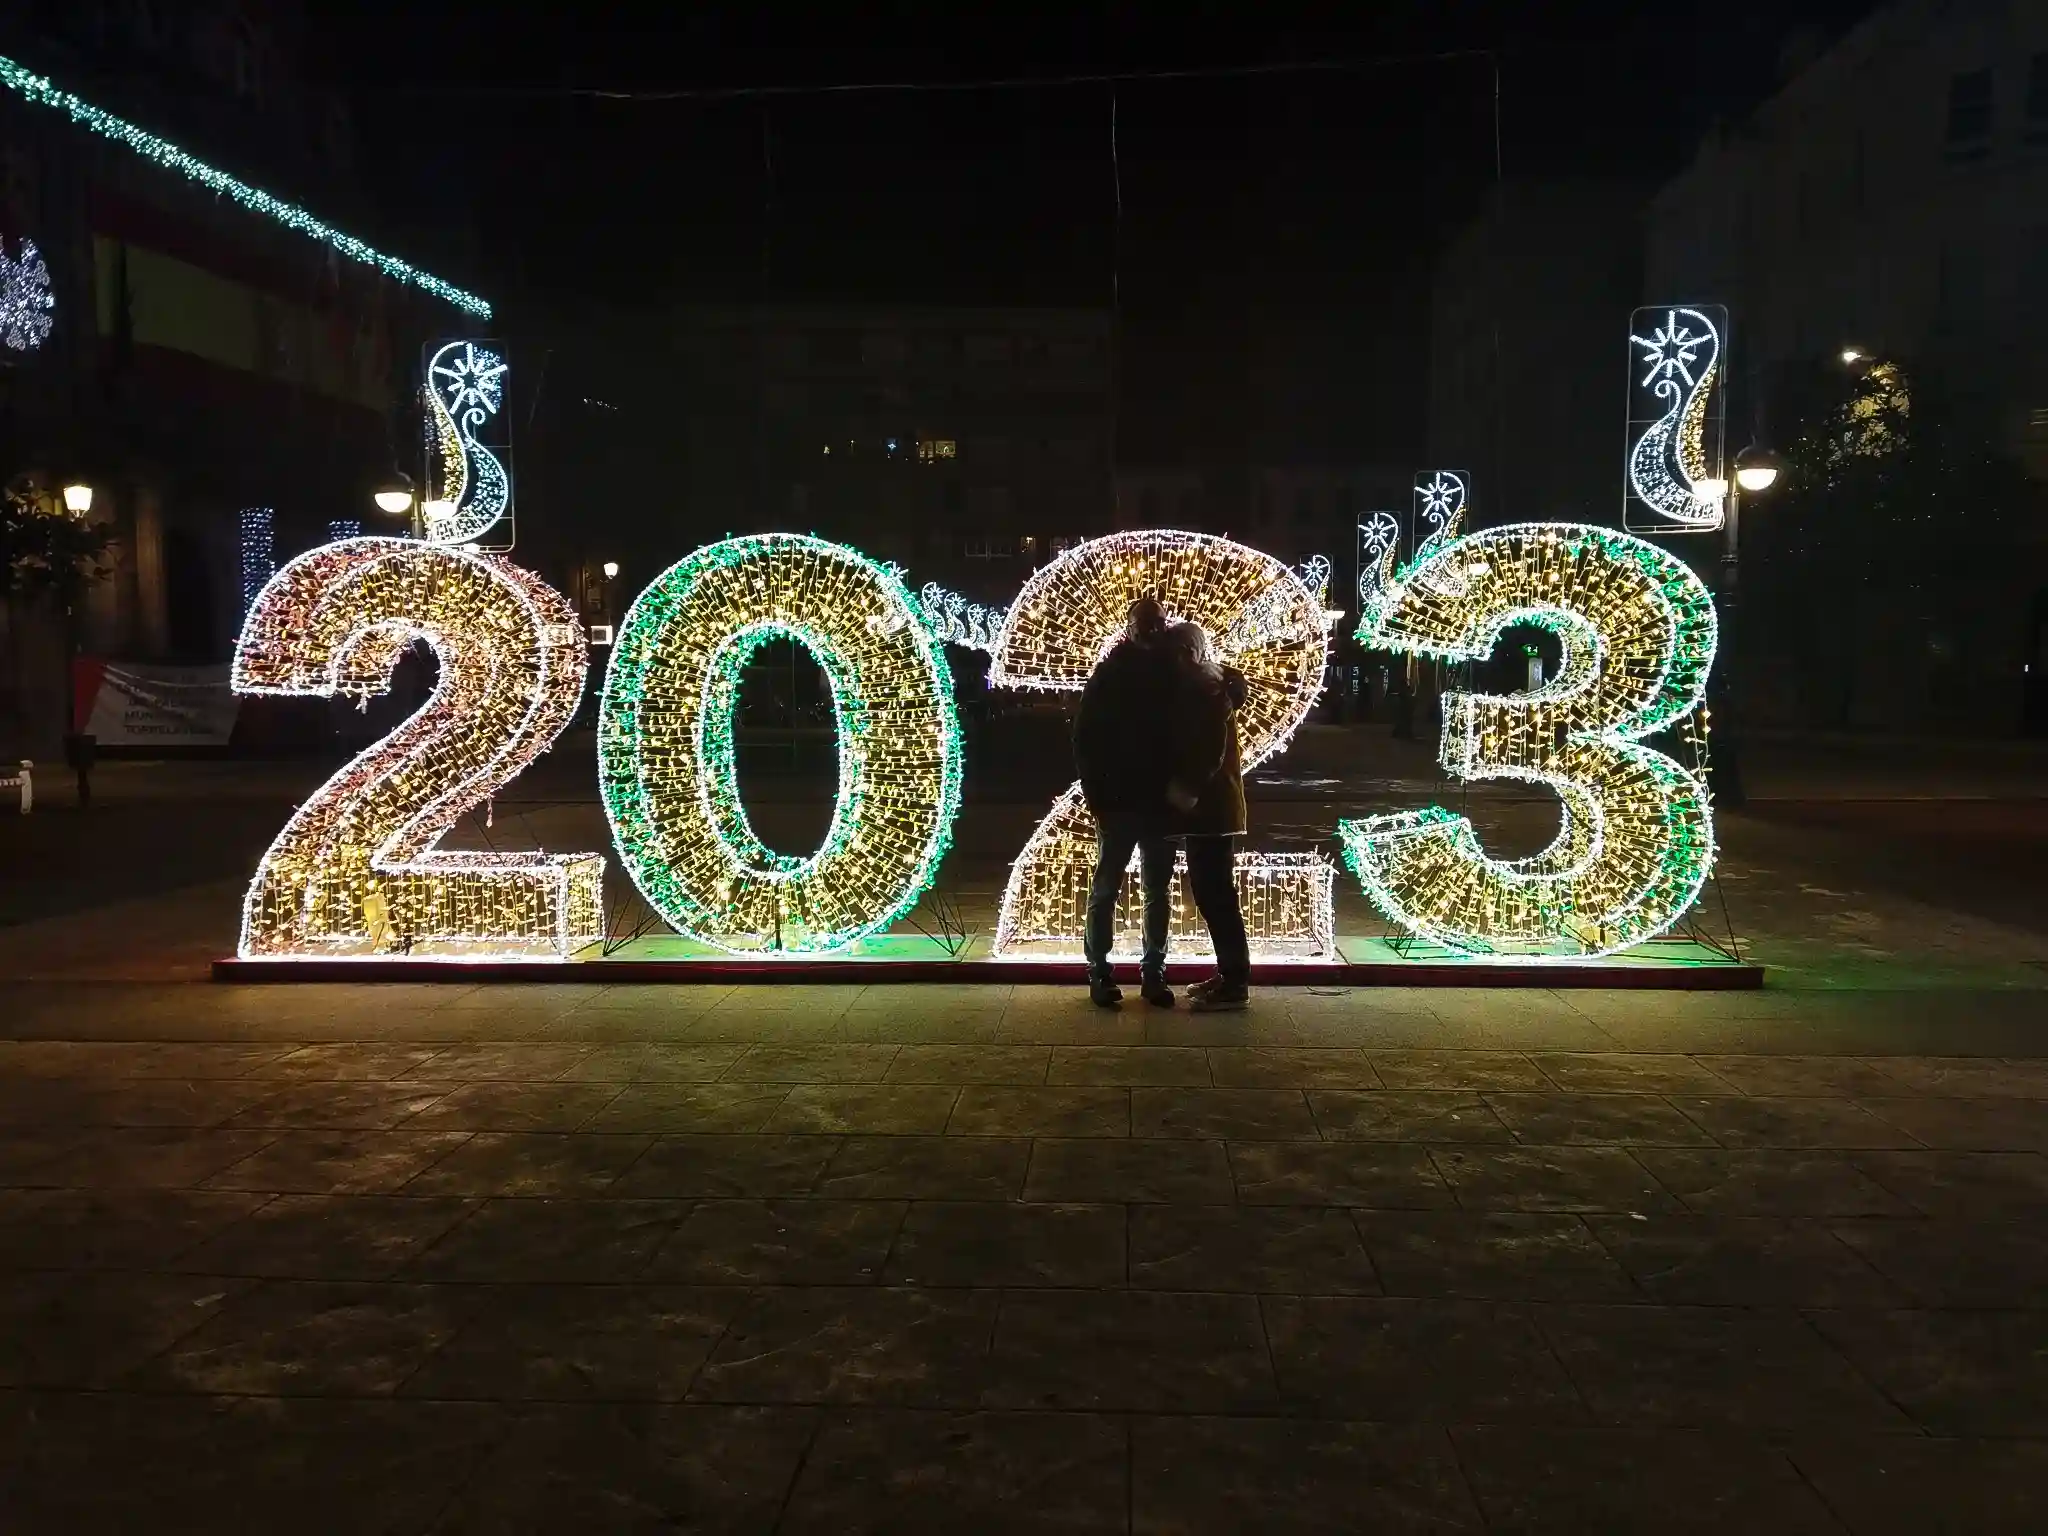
665, 745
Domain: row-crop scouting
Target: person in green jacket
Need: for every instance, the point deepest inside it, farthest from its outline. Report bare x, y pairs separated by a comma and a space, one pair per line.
1206, 793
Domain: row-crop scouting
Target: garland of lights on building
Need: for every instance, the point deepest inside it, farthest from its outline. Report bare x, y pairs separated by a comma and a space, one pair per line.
666, 753
358, 869
1636, 841
1669, 468
470, 491
45, 93
1263, 619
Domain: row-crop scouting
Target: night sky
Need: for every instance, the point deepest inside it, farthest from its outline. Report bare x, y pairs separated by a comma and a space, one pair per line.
1276, 227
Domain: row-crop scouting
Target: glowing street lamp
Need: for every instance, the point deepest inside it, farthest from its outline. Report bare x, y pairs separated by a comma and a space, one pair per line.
1756, 468
394, 495
611, 569
78, 498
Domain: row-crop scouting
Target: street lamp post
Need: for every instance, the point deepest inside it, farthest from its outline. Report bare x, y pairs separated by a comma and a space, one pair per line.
394, 497
1756, 471
71, 499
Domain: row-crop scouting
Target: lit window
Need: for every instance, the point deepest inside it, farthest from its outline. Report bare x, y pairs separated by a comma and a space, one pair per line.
931, 449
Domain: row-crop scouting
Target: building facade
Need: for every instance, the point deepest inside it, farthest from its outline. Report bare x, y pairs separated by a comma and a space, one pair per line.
1529, 312
967, 445
1891, 198
1889, 204
209, 351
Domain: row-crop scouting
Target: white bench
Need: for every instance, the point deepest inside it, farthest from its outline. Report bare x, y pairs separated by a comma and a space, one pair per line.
25, 782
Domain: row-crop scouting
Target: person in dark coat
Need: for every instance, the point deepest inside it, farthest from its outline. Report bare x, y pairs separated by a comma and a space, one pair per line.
1206, 792
1122, 741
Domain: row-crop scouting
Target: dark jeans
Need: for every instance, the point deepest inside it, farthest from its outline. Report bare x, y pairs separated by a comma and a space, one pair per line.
1212, 881
1115, 837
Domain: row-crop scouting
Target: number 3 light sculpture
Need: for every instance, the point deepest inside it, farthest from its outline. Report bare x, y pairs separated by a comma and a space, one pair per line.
1636, 840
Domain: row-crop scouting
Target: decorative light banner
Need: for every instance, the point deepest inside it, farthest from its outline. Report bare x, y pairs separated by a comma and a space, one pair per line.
44, 93
1636, 840
666, 764
1262, 618
25, 299
1379, 547
358, 870
1439, 517
1677, 432
955, 620
469, 489
259, 552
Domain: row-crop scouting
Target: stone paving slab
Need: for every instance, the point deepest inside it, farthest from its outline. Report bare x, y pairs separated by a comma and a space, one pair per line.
542, 1266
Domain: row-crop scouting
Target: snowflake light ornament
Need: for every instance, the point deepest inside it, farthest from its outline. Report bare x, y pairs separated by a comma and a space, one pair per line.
25, 298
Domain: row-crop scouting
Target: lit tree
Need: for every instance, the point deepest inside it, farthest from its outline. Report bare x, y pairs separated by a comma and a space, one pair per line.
1877, 579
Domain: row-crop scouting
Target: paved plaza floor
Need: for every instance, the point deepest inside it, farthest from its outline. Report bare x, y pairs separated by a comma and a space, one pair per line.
833, 1259
977, 1259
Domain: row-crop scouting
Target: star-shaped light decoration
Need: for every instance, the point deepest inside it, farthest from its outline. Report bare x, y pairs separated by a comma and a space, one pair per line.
1442, 497
1669, 353
472, 381
25, 298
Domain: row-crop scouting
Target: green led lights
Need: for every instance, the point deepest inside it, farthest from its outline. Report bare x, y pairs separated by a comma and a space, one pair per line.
1637, 631
666, 765
43, 92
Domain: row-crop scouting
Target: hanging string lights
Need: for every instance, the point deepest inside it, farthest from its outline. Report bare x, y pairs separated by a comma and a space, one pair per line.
43, 92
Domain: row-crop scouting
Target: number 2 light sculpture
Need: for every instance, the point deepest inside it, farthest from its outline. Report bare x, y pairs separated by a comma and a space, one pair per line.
1263, 619
358, 868
1636, 839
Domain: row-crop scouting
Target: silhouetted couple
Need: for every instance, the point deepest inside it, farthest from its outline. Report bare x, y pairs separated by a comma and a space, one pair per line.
1156, 743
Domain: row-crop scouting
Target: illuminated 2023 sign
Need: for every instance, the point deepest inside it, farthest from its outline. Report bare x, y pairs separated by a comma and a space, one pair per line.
358, 871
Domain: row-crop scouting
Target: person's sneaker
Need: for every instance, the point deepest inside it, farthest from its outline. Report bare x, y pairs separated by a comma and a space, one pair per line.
1105, 994
1156, 992
1221, 997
